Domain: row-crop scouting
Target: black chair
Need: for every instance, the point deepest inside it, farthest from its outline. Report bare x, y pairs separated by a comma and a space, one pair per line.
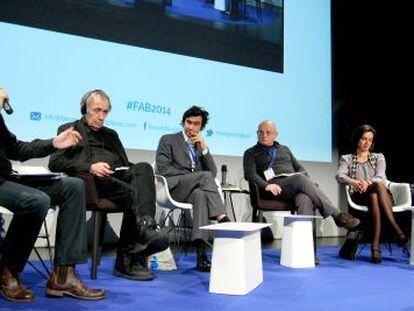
99, 207
262, 204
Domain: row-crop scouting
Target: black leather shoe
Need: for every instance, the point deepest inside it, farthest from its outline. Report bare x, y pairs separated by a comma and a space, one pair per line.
203, 263
317, 260
132, 267
347, 221
152, 240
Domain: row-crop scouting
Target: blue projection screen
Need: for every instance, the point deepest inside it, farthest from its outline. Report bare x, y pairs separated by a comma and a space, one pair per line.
47, 72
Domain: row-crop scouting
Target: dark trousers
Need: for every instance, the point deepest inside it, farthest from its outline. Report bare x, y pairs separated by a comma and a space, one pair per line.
200, 189
135, 190
30, 205
307, 195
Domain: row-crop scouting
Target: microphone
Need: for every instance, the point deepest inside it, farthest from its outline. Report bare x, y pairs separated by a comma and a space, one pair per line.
223, 174
7, 107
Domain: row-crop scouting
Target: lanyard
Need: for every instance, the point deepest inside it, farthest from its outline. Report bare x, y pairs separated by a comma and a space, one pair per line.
193, 154
271, 153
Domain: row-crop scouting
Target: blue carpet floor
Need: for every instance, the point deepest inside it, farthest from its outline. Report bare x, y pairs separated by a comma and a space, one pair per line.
336, 284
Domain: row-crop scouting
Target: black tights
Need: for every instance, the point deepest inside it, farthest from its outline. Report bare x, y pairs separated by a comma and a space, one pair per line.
381, 202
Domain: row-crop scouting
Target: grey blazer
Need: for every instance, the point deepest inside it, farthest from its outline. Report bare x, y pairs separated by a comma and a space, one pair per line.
173, 160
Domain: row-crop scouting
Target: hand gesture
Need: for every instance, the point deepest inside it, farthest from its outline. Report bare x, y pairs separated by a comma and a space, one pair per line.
67, 138
3, 96
198, 140
101, 169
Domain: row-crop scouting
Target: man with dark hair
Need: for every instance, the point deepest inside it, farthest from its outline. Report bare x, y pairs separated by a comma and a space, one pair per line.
184, 159
30, 201
130, 185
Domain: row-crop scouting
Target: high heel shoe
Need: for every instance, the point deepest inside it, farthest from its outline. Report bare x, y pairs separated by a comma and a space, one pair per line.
376, 255
402, 241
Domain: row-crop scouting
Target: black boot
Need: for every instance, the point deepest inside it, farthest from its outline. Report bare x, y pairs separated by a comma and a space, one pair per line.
347, 221
131, 266
152, 240
203, 263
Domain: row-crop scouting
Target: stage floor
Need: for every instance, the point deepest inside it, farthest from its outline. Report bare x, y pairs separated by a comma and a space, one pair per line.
336, 284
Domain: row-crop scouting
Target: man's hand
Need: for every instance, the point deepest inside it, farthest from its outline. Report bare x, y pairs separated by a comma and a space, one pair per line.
101, 169
274, 189
198, 140
3, 96
67, 138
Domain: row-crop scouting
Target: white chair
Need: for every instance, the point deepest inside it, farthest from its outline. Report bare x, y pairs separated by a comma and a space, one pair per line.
164, 200
401, 194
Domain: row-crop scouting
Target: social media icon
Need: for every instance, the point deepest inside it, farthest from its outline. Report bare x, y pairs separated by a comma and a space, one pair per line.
210, 132
35, 116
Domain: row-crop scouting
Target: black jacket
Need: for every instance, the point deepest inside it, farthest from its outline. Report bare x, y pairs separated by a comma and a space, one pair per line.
77, 159
13, 149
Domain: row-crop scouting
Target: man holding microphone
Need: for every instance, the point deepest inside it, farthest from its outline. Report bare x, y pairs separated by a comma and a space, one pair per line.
29, 202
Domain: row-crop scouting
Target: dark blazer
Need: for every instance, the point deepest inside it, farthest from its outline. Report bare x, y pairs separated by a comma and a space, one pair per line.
77, 159
13, 149
173, 160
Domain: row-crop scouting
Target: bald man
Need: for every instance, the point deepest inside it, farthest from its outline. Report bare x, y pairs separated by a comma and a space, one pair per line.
262, 164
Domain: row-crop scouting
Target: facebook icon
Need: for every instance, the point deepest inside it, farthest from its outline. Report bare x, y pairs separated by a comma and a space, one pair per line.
35, 116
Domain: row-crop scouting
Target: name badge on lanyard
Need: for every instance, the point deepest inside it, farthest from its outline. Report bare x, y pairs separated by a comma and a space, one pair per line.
269, 173
193, 155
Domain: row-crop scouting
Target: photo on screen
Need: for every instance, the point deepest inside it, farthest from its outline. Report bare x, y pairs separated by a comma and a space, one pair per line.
240, 32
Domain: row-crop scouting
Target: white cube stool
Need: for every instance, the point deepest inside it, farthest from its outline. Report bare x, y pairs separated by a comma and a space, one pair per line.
236, 266
297, 241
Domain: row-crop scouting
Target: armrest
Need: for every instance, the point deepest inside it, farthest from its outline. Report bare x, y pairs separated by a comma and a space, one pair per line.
401, 194
271, 204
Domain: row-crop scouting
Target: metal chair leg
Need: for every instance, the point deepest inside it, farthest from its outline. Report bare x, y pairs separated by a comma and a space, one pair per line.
48, 243
97, 219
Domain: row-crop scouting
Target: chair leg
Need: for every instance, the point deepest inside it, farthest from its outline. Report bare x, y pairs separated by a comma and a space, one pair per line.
97, 219
101, 235
42, 262
49, 248
260, 216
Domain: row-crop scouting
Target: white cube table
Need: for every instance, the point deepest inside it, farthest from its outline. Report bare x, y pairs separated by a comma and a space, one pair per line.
297, 241
236, 266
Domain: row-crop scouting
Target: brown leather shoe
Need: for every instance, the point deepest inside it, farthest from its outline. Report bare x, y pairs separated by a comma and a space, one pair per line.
12, 289
64, 281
